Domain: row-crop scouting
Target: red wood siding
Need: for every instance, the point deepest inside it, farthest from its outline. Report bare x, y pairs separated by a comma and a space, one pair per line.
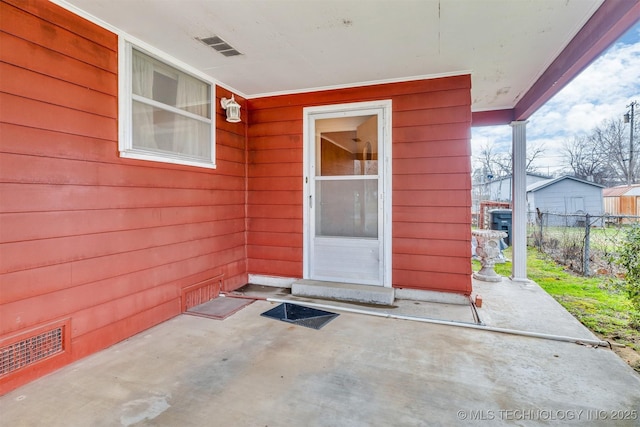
108, 243
431, 181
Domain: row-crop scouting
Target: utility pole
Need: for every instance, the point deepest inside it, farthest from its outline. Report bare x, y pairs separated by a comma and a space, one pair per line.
628, 118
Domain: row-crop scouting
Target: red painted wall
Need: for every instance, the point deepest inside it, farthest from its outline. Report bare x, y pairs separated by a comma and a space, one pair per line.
431, 181
105, 246
108, 243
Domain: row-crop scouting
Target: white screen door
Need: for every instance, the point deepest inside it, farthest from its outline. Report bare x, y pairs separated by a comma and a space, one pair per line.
345, 231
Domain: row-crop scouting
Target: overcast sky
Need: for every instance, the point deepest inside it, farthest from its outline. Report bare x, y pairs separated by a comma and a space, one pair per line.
600, 92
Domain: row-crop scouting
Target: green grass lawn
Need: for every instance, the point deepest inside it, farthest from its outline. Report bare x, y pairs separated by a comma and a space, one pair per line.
603, 310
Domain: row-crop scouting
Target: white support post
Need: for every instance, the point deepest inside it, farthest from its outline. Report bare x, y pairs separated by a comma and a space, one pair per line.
519, 197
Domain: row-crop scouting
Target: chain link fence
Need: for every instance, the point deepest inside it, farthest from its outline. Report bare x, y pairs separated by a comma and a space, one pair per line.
582, 242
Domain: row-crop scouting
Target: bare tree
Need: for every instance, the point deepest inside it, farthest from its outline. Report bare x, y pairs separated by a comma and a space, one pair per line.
502, 162
603, 154
495, 164
609, 136
586, 159
534, 151
488, 168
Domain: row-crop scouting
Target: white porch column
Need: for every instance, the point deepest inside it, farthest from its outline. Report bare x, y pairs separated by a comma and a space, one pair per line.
519, 197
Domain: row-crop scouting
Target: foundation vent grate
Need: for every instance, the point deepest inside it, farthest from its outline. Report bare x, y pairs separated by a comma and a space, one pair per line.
31, 350
201, 292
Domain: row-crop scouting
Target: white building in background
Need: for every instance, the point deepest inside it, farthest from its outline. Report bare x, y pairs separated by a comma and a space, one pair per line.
499, 190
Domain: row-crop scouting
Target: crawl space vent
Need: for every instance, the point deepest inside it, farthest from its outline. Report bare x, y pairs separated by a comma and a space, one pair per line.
219, 45
30, 350
201, 292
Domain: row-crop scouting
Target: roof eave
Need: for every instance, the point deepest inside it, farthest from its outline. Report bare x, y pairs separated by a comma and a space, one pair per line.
612, 19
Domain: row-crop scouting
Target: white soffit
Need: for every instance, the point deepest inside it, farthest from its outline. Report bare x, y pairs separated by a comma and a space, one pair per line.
297, 45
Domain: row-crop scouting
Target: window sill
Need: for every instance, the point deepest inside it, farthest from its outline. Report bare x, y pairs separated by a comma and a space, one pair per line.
142, 155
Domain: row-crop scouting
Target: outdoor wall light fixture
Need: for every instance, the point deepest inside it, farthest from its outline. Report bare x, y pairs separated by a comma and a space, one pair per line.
233, 109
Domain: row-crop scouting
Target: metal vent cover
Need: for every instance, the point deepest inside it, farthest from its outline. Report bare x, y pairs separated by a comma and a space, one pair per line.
219, 45
30, 350
200, 292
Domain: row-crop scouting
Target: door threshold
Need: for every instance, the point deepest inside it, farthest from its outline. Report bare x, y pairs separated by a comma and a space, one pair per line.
340, 291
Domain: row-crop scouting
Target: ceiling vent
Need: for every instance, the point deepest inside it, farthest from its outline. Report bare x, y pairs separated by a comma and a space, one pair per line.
219, 45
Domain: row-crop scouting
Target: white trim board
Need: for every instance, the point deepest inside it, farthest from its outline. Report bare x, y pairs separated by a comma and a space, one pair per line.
273, 281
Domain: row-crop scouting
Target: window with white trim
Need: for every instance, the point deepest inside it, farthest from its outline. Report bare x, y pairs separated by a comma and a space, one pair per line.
166, 112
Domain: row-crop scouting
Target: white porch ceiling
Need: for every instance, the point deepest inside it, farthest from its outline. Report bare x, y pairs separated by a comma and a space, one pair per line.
290, 46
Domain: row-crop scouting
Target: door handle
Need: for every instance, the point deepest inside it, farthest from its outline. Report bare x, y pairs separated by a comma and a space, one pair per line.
310, 201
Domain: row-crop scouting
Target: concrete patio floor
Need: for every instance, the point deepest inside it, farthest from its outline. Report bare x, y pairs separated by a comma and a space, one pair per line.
358, 370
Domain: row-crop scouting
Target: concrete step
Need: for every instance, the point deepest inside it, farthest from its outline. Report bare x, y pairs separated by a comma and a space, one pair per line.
343, 292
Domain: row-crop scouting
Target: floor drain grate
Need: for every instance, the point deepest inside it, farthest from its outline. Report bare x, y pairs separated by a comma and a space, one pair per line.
300, 315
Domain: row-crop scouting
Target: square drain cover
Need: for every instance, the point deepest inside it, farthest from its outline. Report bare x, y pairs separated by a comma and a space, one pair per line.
299, 315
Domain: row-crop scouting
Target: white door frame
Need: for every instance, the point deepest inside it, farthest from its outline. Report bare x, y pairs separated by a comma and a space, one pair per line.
384, 163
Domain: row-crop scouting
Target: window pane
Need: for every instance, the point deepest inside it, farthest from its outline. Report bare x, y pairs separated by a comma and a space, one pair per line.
347, 208
155, 129
347, 146
162, 83
159, 126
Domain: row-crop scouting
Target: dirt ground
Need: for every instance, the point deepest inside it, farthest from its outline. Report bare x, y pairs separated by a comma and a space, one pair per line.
630, 356
627, 354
